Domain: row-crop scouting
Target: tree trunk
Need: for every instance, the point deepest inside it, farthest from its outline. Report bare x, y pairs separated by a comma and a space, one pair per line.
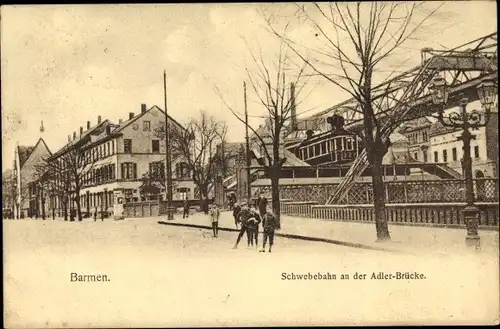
275, 194
42, 199
78, 205
65, 208
379, 197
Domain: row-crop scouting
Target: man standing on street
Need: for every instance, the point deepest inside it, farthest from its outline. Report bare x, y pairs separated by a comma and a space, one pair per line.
185, 206
262, 204
236, 211
243, 215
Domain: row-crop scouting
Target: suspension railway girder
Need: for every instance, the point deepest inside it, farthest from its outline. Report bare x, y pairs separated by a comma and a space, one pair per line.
474, 57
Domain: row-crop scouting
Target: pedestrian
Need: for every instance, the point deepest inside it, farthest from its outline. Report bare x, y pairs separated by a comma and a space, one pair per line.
262, 204
270, 224
95, 213
253, 226
236, 211
214, 217
242, 217
185, 207
102, 213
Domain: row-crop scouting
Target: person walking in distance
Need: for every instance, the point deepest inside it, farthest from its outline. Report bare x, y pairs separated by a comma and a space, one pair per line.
262, 204
185, 207
95, 213
253, 227
270, 224
214, 217
242, 217
236, 211
102, 213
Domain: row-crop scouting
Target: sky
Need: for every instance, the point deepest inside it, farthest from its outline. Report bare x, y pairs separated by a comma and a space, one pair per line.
67, 64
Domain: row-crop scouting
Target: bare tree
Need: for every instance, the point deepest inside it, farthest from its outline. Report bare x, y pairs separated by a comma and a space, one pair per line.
196, 143
276, 91
354, 42
70, 171
8, 190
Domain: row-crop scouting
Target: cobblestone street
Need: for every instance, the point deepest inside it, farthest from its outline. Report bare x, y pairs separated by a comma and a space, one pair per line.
163, 275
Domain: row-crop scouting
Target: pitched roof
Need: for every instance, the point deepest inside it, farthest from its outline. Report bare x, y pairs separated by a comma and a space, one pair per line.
125, 124
25, 152
291, 160
438, 128
82, 137
415, 124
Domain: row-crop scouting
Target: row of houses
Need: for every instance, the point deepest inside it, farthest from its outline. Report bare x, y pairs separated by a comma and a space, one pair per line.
112, 161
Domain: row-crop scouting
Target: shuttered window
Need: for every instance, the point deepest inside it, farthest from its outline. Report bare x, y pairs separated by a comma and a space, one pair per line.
129, 170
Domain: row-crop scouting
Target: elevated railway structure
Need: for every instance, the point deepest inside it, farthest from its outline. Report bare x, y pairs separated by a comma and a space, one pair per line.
406, 96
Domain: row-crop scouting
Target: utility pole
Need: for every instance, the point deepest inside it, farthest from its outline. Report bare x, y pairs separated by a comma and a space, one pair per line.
249, 193
170, 215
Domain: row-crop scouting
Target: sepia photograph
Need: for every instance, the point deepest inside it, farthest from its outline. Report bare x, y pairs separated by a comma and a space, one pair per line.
250, 164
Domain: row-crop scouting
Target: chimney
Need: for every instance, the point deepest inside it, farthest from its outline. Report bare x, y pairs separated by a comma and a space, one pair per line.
88, 125
309, 134
74, 135
293, 114
131, 115
81, 131
120, 121
69, 138
98, 119
143, 108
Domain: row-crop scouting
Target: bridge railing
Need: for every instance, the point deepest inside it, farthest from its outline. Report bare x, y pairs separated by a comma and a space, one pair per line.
410, 191
422, 214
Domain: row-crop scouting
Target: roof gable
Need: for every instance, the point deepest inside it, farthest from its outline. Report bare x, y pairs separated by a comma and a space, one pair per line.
127, 123
24, 152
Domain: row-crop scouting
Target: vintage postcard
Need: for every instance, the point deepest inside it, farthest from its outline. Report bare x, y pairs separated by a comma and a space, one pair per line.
250, 164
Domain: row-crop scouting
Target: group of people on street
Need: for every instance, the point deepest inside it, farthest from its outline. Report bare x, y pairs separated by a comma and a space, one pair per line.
249, 220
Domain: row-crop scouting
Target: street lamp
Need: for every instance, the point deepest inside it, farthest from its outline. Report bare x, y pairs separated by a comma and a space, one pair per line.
466, 121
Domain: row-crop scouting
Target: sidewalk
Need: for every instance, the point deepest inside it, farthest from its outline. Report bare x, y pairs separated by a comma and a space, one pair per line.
407, 239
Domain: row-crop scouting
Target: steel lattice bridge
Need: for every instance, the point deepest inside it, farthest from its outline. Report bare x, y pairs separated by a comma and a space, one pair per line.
407, 97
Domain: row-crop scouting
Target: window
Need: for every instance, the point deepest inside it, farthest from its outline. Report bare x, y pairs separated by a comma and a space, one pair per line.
129, 170
156, 145
476, 152
112, 147
445, 156
436, 157
323, 148
147, 125
127, 145
316, 150
454, 153
157, 170
415, 156
349, 145
425, 156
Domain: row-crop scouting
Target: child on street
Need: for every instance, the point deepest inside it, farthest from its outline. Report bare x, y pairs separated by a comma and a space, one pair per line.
270, 224
214, 217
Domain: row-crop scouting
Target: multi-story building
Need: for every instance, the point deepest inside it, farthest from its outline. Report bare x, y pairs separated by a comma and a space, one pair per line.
27, 161
446, 147
435, 143
120, 157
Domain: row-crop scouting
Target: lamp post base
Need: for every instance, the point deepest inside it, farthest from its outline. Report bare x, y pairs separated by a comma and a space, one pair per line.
471, 216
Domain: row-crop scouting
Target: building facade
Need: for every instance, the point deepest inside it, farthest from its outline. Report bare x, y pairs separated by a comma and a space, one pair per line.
27, 161
435, 143
118, 160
